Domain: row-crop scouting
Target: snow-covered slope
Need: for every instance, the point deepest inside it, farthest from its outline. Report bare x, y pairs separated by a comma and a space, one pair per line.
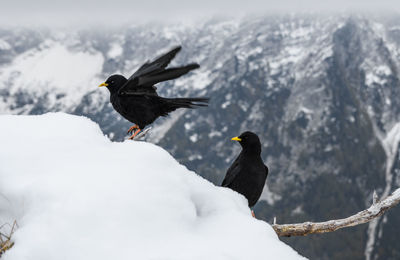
54, 70
77, 195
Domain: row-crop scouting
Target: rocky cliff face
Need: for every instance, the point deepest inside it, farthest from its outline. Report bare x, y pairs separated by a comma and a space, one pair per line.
321, 92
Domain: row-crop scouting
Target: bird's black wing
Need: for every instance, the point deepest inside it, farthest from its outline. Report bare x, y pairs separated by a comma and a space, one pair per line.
157, 65
151, 73
232, 173
133, 85
156, 106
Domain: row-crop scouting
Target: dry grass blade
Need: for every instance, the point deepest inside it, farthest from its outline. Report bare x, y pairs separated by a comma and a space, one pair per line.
5, 240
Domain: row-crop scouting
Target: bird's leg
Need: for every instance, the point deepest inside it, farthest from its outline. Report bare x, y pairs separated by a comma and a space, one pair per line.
252, 213
132, 128
134, 134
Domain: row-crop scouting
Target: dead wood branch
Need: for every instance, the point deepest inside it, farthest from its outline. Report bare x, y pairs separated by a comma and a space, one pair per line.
377, 209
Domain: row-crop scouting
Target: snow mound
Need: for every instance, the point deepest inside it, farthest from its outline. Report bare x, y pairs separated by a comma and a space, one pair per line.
77, 195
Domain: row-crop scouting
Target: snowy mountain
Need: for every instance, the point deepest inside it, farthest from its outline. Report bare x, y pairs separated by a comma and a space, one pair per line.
79, 196
321, 92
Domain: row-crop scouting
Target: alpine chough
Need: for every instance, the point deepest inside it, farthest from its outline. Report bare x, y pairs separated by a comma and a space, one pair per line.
248, 173
136, 98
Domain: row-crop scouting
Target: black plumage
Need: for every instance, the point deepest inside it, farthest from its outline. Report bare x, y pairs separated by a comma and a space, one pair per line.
136, 98
248, 173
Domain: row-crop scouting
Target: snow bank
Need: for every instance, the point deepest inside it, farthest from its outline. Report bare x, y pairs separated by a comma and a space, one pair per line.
77, 195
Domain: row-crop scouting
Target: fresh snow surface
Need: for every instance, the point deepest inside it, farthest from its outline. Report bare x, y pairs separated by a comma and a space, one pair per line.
77, 195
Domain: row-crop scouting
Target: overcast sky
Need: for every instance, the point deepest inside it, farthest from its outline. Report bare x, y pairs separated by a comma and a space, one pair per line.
53, 12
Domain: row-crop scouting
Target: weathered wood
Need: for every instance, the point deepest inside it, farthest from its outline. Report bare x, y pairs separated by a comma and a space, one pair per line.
377, 209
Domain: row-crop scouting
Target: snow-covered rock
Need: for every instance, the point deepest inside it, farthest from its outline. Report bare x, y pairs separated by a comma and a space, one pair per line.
77, 195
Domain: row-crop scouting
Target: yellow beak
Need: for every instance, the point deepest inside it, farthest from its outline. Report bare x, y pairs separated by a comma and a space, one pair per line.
236, 139
103, 84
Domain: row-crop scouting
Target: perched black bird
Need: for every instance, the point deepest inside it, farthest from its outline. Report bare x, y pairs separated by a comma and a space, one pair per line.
247, 174
136, 98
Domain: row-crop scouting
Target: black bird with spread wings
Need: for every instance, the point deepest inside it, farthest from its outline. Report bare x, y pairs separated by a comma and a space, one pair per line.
136, 98
248, 173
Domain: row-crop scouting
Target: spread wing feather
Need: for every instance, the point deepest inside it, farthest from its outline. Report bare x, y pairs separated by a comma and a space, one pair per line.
151, 73
157, 65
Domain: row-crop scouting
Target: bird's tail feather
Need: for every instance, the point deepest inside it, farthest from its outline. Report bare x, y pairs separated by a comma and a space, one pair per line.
167, 74
175, 103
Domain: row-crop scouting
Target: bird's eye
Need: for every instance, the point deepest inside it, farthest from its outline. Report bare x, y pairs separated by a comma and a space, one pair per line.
112, 82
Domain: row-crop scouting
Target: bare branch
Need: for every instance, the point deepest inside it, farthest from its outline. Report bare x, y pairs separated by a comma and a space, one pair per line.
377, 209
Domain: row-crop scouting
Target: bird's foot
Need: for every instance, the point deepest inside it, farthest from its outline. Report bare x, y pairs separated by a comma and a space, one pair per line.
134, 134
132, 128
140, 134
252, 213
